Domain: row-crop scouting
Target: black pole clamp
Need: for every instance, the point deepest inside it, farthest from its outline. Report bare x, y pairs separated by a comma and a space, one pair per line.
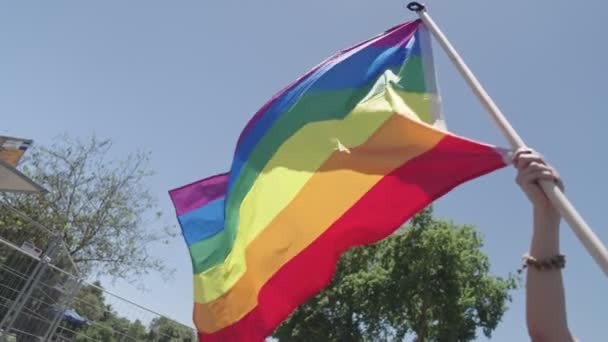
415, 6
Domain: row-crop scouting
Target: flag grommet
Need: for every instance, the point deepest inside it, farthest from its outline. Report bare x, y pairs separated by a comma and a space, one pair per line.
415, 6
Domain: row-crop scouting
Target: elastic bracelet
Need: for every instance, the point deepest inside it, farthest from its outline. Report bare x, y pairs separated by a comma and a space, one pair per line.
555, 262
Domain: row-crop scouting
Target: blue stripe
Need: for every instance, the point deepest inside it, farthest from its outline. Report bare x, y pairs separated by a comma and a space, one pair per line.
203, 222
361, 68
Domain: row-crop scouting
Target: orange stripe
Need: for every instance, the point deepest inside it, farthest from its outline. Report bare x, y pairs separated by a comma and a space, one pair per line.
339, 183
393, 200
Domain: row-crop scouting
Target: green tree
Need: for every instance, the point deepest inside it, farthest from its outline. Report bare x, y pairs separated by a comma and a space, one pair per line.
103, 324
113, 329
102, 333
90, 302
137, 331
121, 327
99, 206
165, 330
106, 325
430, 279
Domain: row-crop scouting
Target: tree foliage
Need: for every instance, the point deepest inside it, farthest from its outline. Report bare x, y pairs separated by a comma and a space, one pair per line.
106, 325
429, 280
90, 302
164, 330
99, 206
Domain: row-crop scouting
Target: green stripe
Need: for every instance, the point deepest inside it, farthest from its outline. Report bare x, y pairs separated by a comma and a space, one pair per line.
312, 107
206, 253
412, 75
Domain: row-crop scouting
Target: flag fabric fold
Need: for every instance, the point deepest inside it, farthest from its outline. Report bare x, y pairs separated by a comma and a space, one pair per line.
341, 157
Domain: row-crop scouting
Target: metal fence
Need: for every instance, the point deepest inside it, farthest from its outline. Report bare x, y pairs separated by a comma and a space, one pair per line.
42, 298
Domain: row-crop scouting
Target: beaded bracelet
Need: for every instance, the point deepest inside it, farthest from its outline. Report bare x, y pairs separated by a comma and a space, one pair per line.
555, 262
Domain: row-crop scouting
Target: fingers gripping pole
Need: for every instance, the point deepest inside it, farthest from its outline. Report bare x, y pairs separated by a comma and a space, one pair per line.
584, 233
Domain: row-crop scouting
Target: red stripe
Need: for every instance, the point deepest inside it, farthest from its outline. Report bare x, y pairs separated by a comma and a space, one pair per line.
395, 199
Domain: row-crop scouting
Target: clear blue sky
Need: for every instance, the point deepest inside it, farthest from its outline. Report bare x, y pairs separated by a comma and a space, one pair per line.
181, 78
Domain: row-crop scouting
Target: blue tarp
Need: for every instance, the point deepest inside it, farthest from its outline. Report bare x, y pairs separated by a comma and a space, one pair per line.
74, 318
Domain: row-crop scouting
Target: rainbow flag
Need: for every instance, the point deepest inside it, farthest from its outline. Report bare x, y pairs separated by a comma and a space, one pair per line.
341, 157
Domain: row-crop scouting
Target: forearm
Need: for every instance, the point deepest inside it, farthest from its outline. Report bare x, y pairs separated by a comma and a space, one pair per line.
546, 308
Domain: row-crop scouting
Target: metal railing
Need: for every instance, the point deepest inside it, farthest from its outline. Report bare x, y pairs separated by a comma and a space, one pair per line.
44, 298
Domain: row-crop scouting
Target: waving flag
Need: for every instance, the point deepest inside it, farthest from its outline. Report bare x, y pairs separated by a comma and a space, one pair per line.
341, 157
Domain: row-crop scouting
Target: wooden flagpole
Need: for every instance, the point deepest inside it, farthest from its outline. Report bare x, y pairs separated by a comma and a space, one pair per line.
584, 233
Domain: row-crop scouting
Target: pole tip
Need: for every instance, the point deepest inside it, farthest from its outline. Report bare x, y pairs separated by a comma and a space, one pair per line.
415, 6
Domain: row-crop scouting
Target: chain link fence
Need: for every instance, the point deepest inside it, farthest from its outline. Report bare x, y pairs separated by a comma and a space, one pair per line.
43, 298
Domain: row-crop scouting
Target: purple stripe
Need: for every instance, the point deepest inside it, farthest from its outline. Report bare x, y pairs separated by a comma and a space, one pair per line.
391, 37
397, 35
195, 195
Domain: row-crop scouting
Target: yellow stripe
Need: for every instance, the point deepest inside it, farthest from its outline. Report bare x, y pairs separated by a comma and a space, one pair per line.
419, 103
295, 162
289, 169
340, 182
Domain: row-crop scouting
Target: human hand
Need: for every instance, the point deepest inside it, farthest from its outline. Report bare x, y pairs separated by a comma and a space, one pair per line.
531, 170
